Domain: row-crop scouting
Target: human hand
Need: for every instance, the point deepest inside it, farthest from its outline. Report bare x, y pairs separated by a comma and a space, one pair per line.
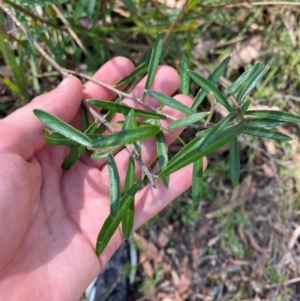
49, 217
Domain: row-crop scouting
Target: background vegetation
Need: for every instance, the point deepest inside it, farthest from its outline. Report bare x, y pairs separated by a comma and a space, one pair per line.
243, 244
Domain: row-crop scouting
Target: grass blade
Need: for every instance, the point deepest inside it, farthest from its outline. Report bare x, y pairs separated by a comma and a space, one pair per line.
208, 86
124, 109
266, 133
170, 102
128, 219
197, 182
213, 78
187, 120
154, 61
184, 77
114, 186
62, 127
276, 115
125, 136
110, 225
234, 162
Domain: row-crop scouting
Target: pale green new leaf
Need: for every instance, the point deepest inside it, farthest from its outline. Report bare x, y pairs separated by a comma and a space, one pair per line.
100, 155
62, 127
170, 102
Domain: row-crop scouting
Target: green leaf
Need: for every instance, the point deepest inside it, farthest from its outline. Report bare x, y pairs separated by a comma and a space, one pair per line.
130, 5
77, 150
239, 83
43, 2
100, 155
154, 61
162, 153
208, 86
184, 77
263, 122
55, 138
245, 106
85, 123
139, 71
130, 123
193, 154
114, 186
187, 120
124, 109
213, 78
234, 162
128, 219
125, 136
170, 102
266, 133
62, 127
276, 115
110, 225
251, 84
197, 182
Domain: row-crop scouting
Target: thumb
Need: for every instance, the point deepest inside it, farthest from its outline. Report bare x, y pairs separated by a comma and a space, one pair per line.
22, 133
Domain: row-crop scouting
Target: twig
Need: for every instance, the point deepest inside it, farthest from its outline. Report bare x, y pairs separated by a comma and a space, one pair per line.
130, 149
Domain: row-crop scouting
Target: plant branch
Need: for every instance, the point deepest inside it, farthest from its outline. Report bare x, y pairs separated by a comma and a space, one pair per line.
130, 149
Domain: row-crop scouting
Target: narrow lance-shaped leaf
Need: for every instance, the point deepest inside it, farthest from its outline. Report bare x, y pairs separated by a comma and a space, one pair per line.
130, 123
213, 78
55, 138
85, 123
62, 127
128, 219
130, 5
234, 162
263, 122
114, 186
100, 155
276, 115
124, 109
266, 133
139, 71
154, 61
184, 77
77, 150
239, 83
170, 102
162, 153
187, 120
125, 137
191, 156
197, 182
110, 225
208, 86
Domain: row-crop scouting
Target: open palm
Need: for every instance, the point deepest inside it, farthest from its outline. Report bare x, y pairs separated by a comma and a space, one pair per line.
49, 217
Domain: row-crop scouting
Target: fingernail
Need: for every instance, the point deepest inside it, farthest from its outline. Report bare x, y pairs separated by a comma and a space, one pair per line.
65, 81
